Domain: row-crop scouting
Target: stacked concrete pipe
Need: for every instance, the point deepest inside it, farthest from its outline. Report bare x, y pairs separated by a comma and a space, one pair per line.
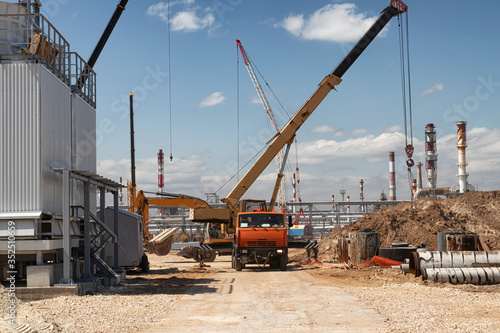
457, 267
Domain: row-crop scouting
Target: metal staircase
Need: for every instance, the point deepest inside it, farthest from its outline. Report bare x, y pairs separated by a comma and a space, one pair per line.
100, 235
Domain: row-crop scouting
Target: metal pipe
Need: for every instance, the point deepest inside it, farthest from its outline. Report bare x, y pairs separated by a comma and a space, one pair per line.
452, 259
392, 177
469, 275
462, 162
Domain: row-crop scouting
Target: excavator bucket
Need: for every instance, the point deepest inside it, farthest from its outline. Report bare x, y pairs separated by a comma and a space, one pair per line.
161, 243
197, 253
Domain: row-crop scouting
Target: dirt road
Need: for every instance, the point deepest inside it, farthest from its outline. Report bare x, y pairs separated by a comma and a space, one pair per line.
265, 300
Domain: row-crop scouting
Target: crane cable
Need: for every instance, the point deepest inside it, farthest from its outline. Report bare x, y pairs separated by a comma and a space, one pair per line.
237, 112
169, 79
406, 94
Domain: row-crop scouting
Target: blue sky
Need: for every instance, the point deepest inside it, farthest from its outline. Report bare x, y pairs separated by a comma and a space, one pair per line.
454, 71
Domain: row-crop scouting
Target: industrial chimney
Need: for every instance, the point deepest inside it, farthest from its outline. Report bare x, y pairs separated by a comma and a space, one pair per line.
392, 177
160, 170
419, 175
361, 190
462, 162
431, 156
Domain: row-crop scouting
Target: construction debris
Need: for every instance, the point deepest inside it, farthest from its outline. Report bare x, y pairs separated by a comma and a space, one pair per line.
477, 212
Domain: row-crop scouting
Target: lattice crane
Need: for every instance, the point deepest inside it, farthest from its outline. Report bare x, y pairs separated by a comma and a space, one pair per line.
280, 158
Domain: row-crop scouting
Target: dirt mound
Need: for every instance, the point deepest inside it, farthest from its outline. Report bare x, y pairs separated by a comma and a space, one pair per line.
477, 212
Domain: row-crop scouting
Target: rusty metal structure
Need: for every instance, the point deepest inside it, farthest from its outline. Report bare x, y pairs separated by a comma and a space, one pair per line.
362, 245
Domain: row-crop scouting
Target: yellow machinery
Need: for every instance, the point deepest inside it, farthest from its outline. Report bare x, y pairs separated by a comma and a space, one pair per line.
226, 217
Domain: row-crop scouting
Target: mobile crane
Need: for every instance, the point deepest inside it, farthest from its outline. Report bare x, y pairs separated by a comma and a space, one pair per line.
260, 235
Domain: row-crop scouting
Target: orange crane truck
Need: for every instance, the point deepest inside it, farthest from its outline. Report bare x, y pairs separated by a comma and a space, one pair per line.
260, 234
261, 238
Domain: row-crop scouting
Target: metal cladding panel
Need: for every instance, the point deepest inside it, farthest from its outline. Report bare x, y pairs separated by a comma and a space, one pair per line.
20, 160
84, 145
85, 135
54, 137
34, 122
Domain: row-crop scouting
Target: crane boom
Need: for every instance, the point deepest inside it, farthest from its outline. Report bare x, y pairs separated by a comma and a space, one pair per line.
258, 87
287, 133
281, 157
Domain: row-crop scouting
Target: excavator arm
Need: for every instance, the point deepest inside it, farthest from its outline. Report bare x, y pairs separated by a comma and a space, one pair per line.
287, 133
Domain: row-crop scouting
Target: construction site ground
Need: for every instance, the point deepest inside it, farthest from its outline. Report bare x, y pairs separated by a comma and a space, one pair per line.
179, 296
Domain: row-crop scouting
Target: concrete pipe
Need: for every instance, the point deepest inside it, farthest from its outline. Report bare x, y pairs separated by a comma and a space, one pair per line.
466, 275
452, 259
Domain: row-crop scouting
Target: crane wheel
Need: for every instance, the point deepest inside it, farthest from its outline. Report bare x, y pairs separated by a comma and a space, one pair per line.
237, 264
144, 265
283, 262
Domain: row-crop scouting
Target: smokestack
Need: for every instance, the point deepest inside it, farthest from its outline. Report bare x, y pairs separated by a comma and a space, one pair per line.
413, 187
419, 175
121, 194
392, 177
361, 196
431, 156
462, 162
160, 170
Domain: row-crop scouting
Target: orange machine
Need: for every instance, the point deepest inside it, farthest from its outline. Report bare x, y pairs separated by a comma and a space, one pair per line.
261, 238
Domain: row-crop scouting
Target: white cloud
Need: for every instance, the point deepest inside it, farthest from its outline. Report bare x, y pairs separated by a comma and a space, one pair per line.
190, 19
374, 159
432, 89
182, 175
333, 22
364, 157
256, 100
337, 133
392, 129
160, 9
359, 131
212, 100
319, 151
323, 129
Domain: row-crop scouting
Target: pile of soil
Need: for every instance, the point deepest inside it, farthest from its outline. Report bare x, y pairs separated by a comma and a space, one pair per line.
419, 221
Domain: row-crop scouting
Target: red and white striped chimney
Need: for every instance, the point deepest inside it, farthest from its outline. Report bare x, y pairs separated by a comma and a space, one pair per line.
392, 177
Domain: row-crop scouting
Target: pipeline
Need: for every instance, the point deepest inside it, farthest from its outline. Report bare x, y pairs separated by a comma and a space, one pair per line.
420, 261
468, 275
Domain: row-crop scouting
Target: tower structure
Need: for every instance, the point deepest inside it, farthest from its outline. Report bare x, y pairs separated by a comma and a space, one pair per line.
462, 162
392, 177
431, 156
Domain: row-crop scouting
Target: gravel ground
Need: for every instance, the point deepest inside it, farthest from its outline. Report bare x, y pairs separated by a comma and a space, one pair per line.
105, 313
408, 303
412, 307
